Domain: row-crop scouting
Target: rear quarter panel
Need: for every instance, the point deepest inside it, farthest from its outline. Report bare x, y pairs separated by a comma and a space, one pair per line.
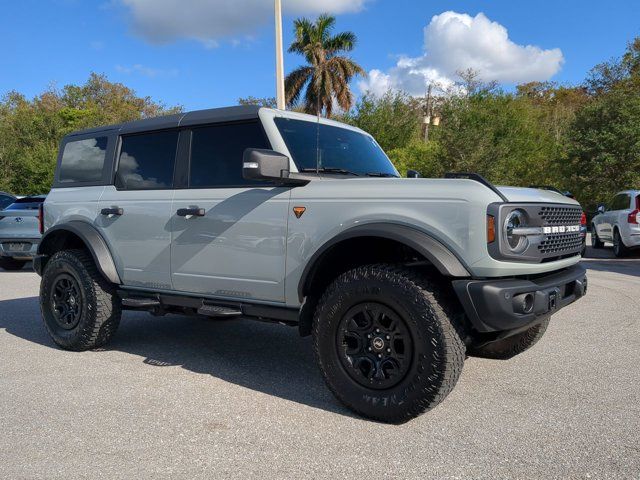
72, 203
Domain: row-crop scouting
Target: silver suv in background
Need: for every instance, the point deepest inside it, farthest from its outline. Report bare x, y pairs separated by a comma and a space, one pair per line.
618, 223
20, 225
6, 199
284, 217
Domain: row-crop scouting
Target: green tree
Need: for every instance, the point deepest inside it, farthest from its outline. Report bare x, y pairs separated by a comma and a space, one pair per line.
328, 74
268, 102
394, 119
31, 130
498, 135
605, 136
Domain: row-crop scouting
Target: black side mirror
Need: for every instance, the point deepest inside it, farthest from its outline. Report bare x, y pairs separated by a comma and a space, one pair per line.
601, 208
268, 165
413, 174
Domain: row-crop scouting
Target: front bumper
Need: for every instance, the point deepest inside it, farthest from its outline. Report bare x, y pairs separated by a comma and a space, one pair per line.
509, 304
28, 247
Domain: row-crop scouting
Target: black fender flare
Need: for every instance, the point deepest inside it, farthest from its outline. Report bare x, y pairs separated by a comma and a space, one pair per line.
447, 263
94, 242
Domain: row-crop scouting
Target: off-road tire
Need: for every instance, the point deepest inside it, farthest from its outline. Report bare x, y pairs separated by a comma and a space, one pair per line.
11, 264
435, 326
595, 240
620, 250
100, 309
511, 346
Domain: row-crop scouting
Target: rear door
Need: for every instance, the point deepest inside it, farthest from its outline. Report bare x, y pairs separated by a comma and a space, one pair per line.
603, 225
619, 205
134, 214
234, 245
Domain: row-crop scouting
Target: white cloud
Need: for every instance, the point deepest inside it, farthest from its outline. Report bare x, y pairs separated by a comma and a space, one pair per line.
455, 42
208, 21
145, 71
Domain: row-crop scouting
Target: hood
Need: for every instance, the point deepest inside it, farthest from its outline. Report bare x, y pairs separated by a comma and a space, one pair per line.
535, 195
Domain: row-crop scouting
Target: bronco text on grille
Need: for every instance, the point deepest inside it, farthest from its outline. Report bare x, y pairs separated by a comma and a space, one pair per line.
561, 226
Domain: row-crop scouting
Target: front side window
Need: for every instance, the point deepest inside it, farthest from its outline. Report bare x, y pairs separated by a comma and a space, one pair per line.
217, 151
147, 161
327, 147
83, 160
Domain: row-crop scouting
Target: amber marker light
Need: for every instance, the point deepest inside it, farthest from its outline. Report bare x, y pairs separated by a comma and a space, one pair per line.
491, 229
298, 211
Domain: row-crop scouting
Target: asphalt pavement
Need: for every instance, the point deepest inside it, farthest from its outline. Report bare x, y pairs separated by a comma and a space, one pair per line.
178, 397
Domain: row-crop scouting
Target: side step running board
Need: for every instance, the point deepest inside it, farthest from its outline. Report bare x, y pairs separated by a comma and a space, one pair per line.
218, 311
161, 303
133, 302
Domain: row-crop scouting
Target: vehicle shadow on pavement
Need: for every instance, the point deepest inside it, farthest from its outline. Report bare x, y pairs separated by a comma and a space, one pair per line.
268, 358
603, 260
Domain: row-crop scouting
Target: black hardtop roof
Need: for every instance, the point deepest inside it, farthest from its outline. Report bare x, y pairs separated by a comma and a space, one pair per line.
197, 117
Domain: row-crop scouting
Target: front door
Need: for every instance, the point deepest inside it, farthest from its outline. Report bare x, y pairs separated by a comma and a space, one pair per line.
134, 215
228, 234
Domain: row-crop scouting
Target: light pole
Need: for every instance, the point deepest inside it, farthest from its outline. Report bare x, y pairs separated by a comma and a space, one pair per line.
280, 98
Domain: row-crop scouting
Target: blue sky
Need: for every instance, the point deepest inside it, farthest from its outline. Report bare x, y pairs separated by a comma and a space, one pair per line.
207, 53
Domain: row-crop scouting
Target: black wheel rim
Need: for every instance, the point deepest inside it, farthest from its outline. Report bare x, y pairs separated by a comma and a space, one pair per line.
66, 301
374, 345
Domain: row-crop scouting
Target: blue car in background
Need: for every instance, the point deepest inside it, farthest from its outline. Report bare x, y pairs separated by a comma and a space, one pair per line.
20, 231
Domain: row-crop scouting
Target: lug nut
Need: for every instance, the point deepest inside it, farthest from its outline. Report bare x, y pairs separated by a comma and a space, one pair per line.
369, 336
388, 337
388, 350
377, 330
379, 355
369, 348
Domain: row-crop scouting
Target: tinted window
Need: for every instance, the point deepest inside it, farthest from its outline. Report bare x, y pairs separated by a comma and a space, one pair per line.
83, 160
147, 161
216, 154
5, 200
27, 203
333, 147
620, 202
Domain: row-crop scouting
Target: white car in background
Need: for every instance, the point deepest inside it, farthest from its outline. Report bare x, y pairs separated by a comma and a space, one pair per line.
619, 223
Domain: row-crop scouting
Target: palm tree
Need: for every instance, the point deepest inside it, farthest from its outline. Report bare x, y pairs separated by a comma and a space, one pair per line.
327, 74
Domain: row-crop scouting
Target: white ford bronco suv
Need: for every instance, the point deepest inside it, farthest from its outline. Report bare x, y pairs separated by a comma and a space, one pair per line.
251, 212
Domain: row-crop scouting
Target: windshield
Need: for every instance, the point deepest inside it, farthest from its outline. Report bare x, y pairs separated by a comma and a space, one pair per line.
339, 148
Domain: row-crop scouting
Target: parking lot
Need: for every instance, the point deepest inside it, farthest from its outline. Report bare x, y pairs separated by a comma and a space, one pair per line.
188, 398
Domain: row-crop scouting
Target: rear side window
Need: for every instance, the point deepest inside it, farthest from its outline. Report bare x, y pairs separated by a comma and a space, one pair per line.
83, 160
621, 202
147, 161
216, 154
5, 201
27, 203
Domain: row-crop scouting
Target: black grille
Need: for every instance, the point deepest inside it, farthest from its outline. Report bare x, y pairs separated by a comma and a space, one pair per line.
561, 243
557, 244
560, 215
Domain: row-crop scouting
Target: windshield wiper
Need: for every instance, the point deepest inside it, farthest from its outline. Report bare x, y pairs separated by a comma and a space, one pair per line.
339, 171
381, 174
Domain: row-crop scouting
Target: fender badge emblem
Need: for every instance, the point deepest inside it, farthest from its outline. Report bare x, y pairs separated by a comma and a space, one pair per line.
299, 211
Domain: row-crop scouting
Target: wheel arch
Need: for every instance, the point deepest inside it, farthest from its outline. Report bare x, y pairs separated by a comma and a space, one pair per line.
77, 234
380, 238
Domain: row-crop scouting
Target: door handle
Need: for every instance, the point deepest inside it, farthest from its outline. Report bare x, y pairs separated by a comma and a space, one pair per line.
112, 211
191, 212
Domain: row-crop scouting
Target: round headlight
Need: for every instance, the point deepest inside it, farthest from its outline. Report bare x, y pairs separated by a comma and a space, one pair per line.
516, 243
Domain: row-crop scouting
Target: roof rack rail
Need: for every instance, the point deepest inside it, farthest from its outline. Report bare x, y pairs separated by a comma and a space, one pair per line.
478, 178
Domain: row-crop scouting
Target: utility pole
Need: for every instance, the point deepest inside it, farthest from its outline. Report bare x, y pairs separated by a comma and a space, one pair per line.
427, 117
280, 98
